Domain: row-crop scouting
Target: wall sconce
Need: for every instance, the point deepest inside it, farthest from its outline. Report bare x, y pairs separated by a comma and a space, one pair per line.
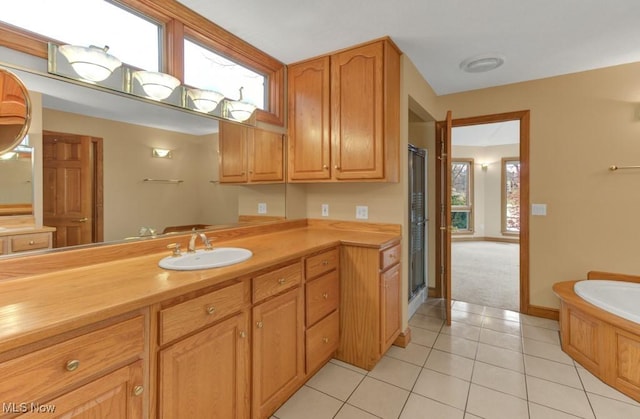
239, 110
162, 153
204, 100
157, 86
91, 63
484, 166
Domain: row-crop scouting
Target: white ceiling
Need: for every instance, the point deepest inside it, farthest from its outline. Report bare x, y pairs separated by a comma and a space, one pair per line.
538, 38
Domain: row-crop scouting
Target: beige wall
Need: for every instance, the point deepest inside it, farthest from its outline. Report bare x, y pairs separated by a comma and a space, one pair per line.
580, 124
487, 186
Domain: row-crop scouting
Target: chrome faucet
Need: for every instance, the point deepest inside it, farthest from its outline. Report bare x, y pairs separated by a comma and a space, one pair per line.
192, 242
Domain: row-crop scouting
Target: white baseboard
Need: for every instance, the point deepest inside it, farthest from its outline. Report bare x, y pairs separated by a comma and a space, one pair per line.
416, 301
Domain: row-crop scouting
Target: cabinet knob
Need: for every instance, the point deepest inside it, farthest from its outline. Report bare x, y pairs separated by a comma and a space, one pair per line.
325, 340
325, 295
243, 334
259, 325
211, 309
337, 167
31, 242
325, 167
281, 281
325, 262
138, 390
72, 365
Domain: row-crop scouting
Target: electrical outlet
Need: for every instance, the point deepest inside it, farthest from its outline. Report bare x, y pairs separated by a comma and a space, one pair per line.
362, 212
262, 208
325, 210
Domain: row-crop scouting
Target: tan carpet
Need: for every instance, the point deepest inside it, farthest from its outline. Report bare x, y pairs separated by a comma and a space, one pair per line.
486, 273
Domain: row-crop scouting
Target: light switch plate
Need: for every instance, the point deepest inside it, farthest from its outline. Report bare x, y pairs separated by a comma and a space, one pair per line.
325, 210
538, 209
262, 208
362, 212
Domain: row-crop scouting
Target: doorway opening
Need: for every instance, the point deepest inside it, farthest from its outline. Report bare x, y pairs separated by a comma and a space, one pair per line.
489, 211
72, 188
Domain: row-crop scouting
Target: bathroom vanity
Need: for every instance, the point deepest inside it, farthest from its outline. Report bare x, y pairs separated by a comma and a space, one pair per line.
106, 329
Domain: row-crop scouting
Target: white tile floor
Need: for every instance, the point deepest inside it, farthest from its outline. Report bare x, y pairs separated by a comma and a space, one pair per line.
490, 363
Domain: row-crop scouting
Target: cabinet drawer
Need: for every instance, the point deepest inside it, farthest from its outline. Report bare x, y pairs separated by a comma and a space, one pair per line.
53, 368
27, 242
322, 340
390, 256
321, 263
276, 281
201, 311
323, 296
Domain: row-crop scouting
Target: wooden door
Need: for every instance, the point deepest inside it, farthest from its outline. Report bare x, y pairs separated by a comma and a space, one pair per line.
278, 351
309, 115
357, 112
207, 375
390, 310
118, 395
266, 156
69, 188
444, 157
233, 143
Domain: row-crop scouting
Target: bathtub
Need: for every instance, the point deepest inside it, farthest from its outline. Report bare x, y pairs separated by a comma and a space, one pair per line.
600, 327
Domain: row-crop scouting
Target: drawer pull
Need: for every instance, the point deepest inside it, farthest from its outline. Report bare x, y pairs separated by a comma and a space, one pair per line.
325, 262
281, 281
325, 295
138, 390
211, 309
259, 325
31, 242
325, 340
243, 334
72, 365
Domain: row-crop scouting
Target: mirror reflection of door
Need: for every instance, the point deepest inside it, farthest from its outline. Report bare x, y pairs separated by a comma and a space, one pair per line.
72, 188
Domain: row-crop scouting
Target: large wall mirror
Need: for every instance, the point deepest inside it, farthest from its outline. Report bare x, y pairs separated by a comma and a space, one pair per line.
102, 145
15, 111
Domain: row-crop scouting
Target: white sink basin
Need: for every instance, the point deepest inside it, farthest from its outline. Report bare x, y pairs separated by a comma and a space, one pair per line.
205, 259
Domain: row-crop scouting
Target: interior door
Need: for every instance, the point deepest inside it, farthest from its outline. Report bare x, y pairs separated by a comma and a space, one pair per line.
445, 212
68, 188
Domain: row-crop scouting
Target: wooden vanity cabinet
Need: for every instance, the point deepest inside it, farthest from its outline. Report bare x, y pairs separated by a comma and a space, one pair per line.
344, 115
94, 372
370, 305
204, 369
249, 155
26, 240
278, 338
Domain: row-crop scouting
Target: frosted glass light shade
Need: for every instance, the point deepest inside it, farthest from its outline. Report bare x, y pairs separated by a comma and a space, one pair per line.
156, 85
240, 111
205, 100
90, 63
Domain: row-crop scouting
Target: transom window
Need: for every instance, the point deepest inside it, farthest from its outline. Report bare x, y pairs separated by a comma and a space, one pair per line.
462, 195
205, 69
132, 38
510, 195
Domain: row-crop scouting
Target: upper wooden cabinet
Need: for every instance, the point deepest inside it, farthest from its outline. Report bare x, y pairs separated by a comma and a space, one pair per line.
344, 115
250, 155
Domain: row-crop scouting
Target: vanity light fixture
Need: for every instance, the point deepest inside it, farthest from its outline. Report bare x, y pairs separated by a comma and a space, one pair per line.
238, 109
8, 156
157, 86
91, 63
204, 100
162, 153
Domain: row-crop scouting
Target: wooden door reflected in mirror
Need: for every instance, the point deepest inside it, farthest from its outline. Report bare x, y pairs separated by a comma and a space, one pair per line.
15, 110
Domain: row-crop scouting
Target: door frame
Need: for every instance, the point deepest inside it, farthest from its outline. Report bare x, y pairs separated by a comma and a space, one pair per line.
524, 118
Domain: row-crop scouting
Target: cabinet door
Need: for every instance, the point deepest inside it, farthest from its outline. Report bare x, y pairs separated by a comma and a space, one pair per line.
390, 313
357, 112
278, 351
207, 375
233, 142
309, 113
116, 395
265, 157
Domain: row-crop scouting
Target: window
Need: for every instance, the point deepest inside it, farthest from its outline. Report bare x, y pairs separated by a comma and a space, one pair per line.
462, 195
511, 195
205, 69
132, 38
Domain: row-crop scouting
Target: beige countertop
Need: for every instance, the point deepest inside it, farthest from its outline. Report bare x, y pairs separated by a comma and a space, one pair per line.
35, 307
